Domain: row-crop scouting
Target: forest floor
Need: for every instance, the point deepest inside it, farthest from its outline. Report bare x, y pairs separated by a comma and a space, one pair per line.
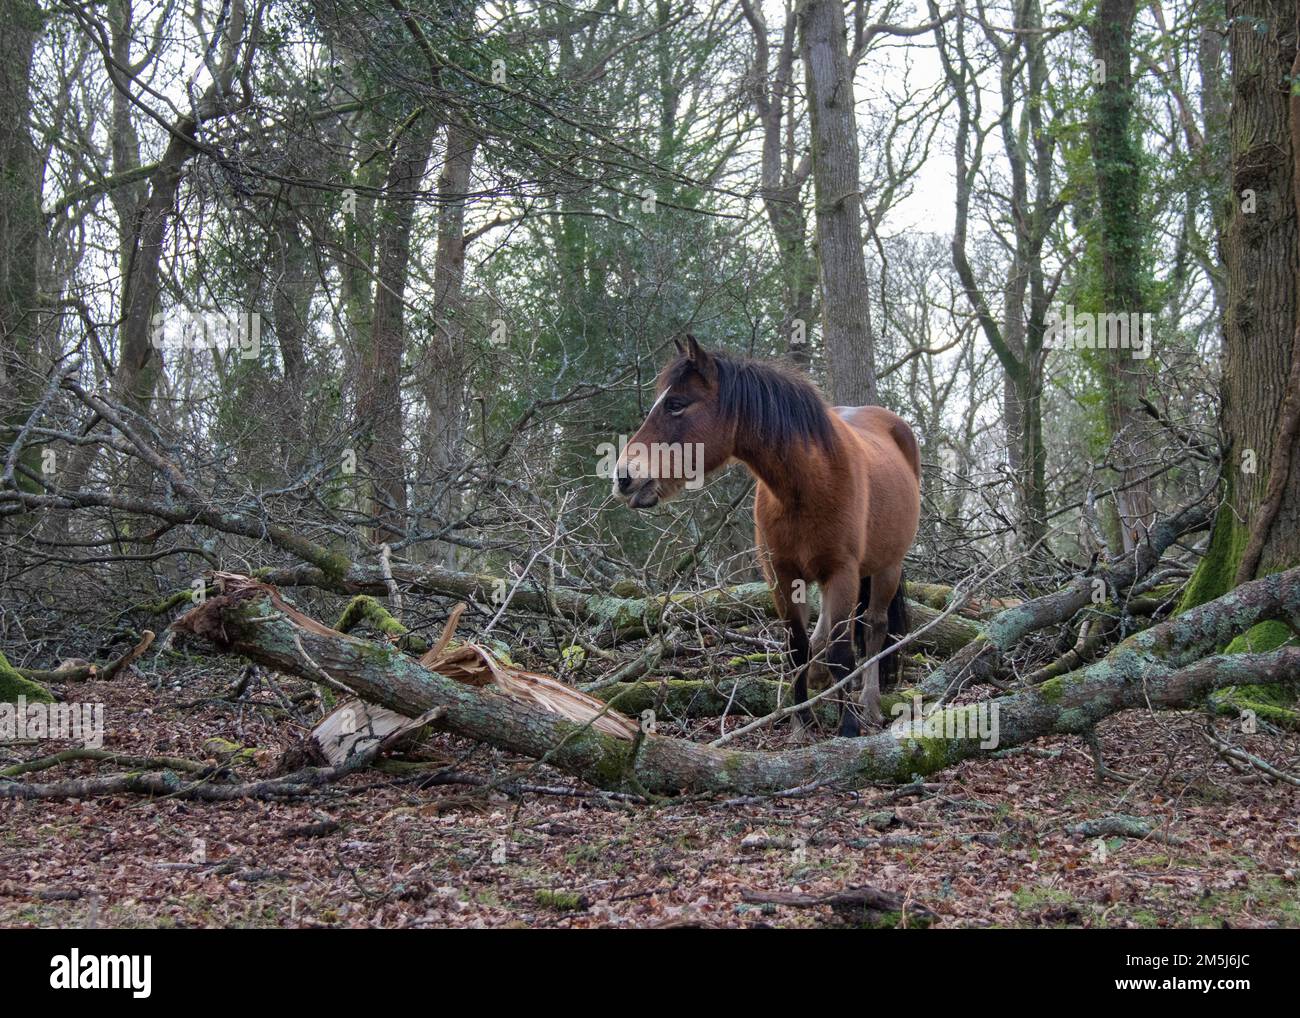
984, 844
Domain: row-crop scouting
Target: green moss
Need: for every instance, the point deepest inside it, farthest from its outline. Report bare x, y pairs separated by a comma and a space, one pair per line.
500, 649
184, 596
922, 755
1052, 690
363, 608
1215, 576
1264, 637
627, 616
1269, 703
1217, 571
13, 685
888, 701
1272, 703
573, 655
564, 901
759, 657
612, 757
732, 764
334, 564
872, 920
229, 752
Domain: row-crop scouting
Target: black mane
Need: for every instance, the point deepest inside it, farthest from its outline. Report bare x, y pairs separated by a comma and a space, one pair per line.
773, 405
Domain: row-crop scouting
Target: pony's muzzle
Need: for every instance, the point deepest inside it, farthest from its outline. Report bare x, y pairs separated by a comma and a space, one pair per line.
644, 497
637, 491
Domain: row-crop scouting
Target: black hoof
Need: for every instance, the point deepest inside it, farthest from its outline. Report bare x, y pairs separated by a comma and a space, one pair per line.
849, 727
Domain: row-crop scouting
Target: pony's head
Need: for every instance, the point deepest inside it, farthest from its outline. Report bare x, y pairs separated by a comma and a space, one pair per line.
685, 435
709, 408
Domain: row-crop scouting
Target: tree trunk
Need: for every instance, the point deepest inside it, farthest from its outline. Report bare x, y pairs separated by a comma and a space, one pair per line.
985, 656
379, 398
21, 223
444, 370
627, 618
782, 178
1262, 255
1117, 163
293, 286
1018, 340
846, 312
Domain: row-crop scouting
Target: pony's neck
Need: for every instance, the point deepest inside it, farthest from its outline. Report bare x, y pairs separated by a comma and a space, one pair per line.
784, 469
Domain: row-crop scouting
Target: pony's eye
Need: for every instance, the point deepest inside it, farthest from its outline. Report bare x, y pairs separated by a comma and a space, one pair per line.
675, 407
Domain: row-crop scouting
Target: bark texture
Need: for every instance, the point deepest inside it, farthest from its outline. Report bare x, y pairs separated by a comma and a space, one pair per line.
1261, 249
21, 224
379, 397
846, 311
1116, 159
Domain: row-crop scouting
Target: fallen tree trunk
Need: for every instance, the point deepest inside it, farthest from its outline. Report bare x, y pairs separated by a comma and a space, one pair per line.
696, 698
626, 617
330, 569
985, 656
939, 595
1162, 667
82, 671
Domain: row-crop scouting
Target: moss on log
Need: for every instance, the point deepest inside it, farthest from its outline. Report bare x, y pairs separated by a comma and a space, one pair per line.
1214, 576
1269, 703
78, 670
13, 685
364, 608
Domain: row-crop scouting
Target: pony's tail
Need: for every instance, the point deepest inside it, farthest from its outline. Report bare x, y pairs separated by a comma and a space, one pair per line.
896, 628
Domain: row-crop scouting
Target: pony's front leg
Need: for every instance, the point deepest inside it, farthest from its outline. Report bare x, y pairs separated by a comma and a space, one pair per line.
839, 604
787, 588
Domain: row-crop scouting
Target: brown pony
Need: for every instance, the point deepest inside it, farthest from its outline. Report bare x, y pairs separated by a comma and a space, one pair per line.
838, 499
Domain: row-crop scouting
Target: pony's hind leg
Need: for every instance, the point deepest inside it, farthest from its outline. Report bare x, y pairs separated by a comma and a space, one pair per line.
789, 592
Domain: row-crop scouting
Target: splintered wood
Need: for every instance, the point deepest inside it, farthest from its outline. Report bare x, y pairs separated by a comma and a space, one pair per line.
357, 727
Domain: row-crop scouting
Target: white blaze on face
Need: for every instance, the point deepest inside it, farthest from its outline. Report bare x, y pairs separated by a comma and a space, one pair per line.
667, 389
637, 452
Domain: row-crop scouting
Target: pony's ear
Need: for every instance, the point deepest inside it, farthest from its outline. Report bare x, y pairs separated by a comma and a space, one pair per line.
678, 343
700, 359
